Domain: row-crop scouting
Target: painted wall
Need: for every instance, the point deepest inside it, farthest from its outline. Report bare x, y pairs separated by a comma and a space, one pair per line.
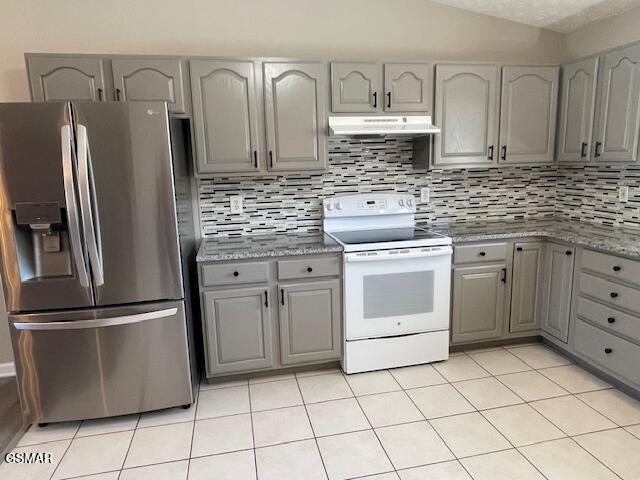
6, 354
605, 34
398, 29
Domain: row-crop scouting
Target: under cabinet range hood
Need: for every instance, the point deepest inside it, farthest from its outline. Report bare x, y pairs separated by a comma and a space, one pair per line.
415, 125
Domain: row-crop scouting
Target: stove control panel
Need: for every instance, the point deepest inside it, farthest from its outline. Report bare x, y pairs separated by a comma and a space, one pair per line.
368, 204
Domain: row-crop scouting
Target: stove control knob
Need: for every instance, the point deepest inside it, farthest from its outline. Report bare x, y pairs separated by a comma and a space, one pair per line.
401, 202
338, 206
329, 206
409, 202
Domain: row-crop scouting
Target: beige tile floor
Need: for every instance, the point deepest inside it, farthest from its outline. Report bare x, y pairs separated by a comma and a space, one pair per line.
493, 414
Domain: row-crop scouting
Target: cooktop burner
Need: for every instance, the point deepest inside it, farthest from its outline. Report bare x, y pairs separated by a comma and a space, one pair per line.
359, 237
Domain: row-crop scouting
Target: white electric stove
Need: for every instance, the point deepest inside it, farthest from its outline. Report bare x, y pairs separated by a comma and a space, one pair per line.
397, 279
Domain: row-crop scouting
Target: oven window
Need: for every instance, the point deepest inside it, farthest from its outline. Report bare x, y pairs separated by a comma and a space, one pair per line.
397, 294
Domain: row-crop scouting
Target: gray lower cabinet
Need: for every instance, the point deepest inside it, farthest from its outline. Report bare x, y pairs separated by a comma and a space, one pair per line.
617, 127
478, 309
467, 112
528, 114
295, 115
407, 87
147, 79
58, 78
577, 102
526, 286
238, 329
225, 115
355, 87
558, 284
310, 321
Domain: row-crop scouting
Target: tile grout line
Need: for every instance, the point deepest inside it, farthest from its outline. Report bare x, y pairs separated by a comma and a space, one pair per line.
253, 434
66, 450
124, 460
193, 430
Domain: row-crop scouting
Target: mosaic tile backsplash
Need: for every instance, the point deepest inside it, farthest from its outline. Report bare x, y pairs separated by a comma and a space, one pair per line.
293, 203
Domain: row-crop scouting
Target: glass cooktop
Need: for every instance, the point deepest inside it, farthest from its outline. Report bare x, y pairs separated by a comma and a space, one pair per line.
358, 237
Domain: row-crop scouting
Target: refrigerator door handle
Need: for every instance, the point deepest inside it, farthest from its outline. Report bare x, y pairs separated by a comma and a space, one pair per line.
71, 207
90, 217
97, 322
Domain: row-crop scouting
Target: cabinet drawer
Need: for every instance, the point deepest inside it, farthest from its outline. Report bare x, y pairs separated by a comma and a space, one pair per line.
609, 318
610, 292
308, 267
612, 266
487, 252
622, 356
234, 273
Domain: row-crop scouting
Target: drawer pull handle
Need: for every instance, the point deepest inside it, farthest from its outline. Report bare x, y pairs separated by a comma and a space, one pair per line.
482, 254
519, 249
608, 350
611, 320
375, 99
235, 274
266, 299
617, 268
569, 252
614, 295
282, 296
309, 269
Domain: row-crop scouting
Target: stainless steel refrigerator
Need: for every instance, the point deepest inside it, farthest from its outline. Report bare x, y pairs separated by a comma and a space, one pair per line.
96, 239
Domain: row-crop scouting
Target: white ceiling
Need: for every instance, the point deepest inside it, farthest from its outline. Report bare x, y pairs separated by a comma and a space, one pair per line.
564, 16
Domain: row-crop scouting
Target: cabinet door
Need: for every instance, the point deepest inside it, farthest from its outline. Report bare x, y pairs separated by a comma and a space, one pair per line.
295, 95
616, 137
528, 114
577, 103
225, 115
526, 286
478, 302
238, 330
54, 78
150, 79
310, 322
407, 87
558, 284
467, 113
355, 87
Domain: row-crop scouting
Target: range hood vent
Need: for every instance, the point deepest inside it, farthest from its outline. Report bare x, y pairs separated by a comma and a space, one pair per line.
376, 126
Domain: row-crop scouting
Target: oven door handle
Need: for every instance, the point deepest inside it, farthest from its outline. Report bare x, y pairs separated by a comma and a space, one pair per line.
353, 258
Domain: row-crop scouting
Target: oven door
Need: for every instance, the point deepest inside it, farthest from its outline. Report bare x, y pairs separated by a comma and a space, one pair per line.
397, 292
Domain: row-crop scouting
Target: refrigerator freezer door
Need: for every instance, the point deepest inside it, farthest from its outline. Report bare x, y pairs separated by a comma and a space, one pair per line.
96, 363
44, 262
125, 180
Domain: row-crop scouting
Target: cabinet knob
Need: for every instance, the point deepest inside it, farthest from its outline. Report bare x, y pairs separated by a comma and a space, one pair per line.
569, 252
309, 269
614, 295
617, 268
235, 274
608, 350
482, 254
611, 320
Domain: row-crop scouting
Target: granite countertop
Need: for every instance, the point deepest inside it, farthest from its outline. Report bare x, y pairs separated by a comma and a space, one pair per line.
260, 246
617, 240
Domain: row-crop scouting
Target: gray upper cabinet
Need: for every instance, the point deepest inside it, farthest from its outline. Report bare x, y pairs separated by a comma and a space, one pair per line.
238, 330
577, 102
616, 131
225, 114
558, 284
295, 115
526, 286
407, 87
528, 114
479, 295
355, 87
56, 78
310, 321
140, 79
467, 112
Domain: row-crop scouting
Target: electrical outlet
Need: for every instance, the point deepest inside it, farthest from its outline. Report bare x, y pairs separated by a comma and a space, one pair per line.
235, 203
425, 194
623, 194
